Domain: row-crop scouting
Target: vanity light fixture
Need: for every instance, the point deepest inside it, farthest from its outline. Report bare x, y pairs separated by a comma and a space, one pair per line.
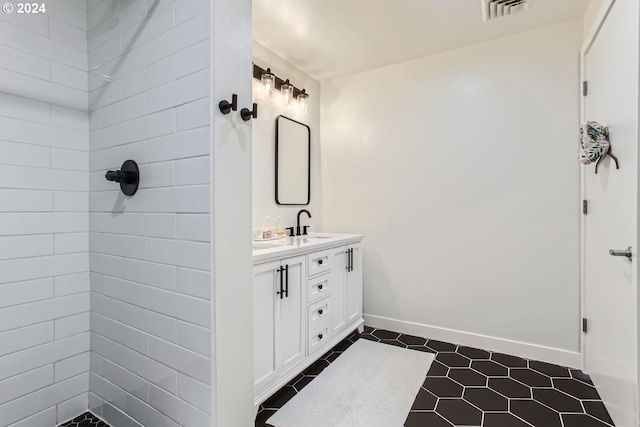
289, 92
302, 100
268, 80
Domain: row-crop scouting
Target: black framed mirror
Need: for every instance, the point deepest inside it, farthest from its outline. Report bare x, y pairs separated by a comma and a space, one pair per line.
293, 162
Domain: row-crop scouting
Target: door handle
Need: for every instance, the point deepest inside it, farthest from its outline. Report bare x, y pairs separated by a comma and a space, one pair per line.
351, 259
622, 252
286, 282
281, 292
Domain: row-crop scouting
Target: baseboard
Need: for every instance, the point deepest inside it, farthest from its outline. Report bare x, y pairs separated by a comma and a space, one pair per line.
516, 348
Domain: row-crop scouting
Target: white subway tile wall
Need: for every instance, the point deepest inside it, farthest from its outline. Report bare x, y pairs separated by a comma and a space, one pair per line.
44, 219
150, 255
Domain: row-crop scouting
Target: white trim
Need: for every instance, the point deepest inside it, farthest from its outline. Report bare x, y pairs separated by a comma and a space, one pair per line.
601, 16
516, 348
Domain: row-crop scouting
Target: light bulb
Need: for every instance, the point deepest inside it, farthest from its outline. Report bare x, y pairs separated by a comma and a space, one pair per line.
268, 80
287, 91
302, 101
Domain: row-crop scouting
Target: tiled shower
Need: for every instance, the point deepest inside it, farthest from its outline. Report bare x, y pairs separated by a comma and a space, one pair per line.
105, 300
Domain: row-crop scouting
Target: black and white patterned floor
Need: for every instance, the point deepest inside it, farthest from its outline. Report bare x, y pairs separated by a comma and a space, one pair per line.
465, 387
85, 420
472, 387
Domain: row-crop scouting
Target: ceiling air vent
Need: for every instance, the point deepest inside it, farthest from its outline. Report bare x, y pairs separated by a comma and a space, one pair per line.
492, 9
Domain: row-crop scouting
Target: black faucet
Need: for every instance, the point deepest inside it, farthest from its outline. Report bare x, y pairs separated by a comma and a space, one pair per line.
298, 225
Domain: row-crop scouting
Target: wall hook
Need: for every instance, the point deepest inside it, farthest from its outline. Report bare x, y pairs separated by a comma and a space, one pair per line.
247, 114
595, 144
128, 176
226, 107
607, 151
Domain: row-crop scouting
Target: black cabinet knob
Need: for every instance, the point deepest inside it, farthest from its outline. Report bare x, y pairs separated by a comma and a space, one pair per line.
320, 261
320, 336
320, 287
320, 312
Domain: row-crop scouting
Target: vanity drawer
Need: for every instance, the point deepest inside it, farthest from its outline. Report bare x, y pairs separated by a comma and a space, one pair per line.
318, 338
319, 324
318, 287
319, 313
318, 262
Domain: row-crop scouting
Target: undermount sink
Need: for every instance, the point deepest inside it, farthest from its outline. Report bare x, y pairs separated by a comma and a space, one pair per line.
295, 240
260, 245
311, 239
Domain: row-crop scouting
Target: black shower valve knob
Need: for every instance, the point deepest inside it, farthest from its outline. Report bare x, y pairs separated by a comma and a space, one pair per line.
128, 176
121, 176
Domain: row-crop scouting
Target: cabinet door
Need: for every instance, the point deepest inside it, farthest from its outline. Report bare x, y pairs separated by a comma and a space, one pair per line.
354, 285
291, 315
339, 289
265, 366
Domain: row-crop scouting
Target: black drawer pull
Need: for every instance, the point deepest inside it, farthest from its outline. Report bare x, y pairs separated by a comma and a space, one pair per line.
319, 336
320, 311
320, 287
320, 261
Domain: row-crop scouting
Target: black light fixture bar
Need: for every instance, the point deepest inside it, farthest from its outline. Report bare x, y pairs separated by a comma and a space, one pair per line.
257, 74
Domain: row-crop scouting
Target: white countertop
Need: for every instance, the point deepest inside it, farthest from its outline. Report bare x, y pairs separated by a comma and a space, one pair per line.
270, 250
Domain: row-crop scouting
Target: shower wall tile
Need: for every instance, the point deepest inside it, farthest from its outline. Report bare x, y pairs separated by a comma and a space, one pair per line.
26, 383
46, 418
35, 357
70, 201
192, 59
71, 284
13, 153
23, 269
151, 255
44, 219
181, 145
45, 56
71, 325
23, 338
72, 366
71, 408
19, 293
25, 201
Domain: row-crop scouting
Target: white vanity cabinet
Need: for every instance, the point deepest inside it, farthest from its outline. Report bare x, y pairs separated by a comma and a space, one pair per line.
278, 318
307, 297
347, 286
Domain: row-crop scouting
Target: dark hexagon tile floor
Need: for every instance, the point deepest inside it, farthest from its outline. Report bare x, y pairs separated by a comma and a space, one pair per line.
472, 387
85, 420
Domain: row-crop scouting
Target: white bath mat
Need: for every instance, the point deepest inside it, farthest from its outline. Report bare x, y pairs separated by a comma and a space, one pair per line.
369, 385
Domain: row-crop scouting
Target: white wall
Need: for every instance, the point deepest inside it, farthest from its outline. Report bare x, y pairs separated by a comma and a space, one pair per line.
461, 170
233, 291
44, 223
264, 131
151, 255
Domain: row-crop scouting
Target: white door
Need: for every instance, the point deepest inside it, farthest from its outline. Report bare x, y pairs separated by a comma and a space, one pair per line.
290, 347
611, 70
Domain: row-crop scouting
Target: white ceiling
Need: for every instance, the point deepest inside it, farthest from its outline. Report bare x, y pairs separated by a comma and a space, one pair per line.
330, 38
